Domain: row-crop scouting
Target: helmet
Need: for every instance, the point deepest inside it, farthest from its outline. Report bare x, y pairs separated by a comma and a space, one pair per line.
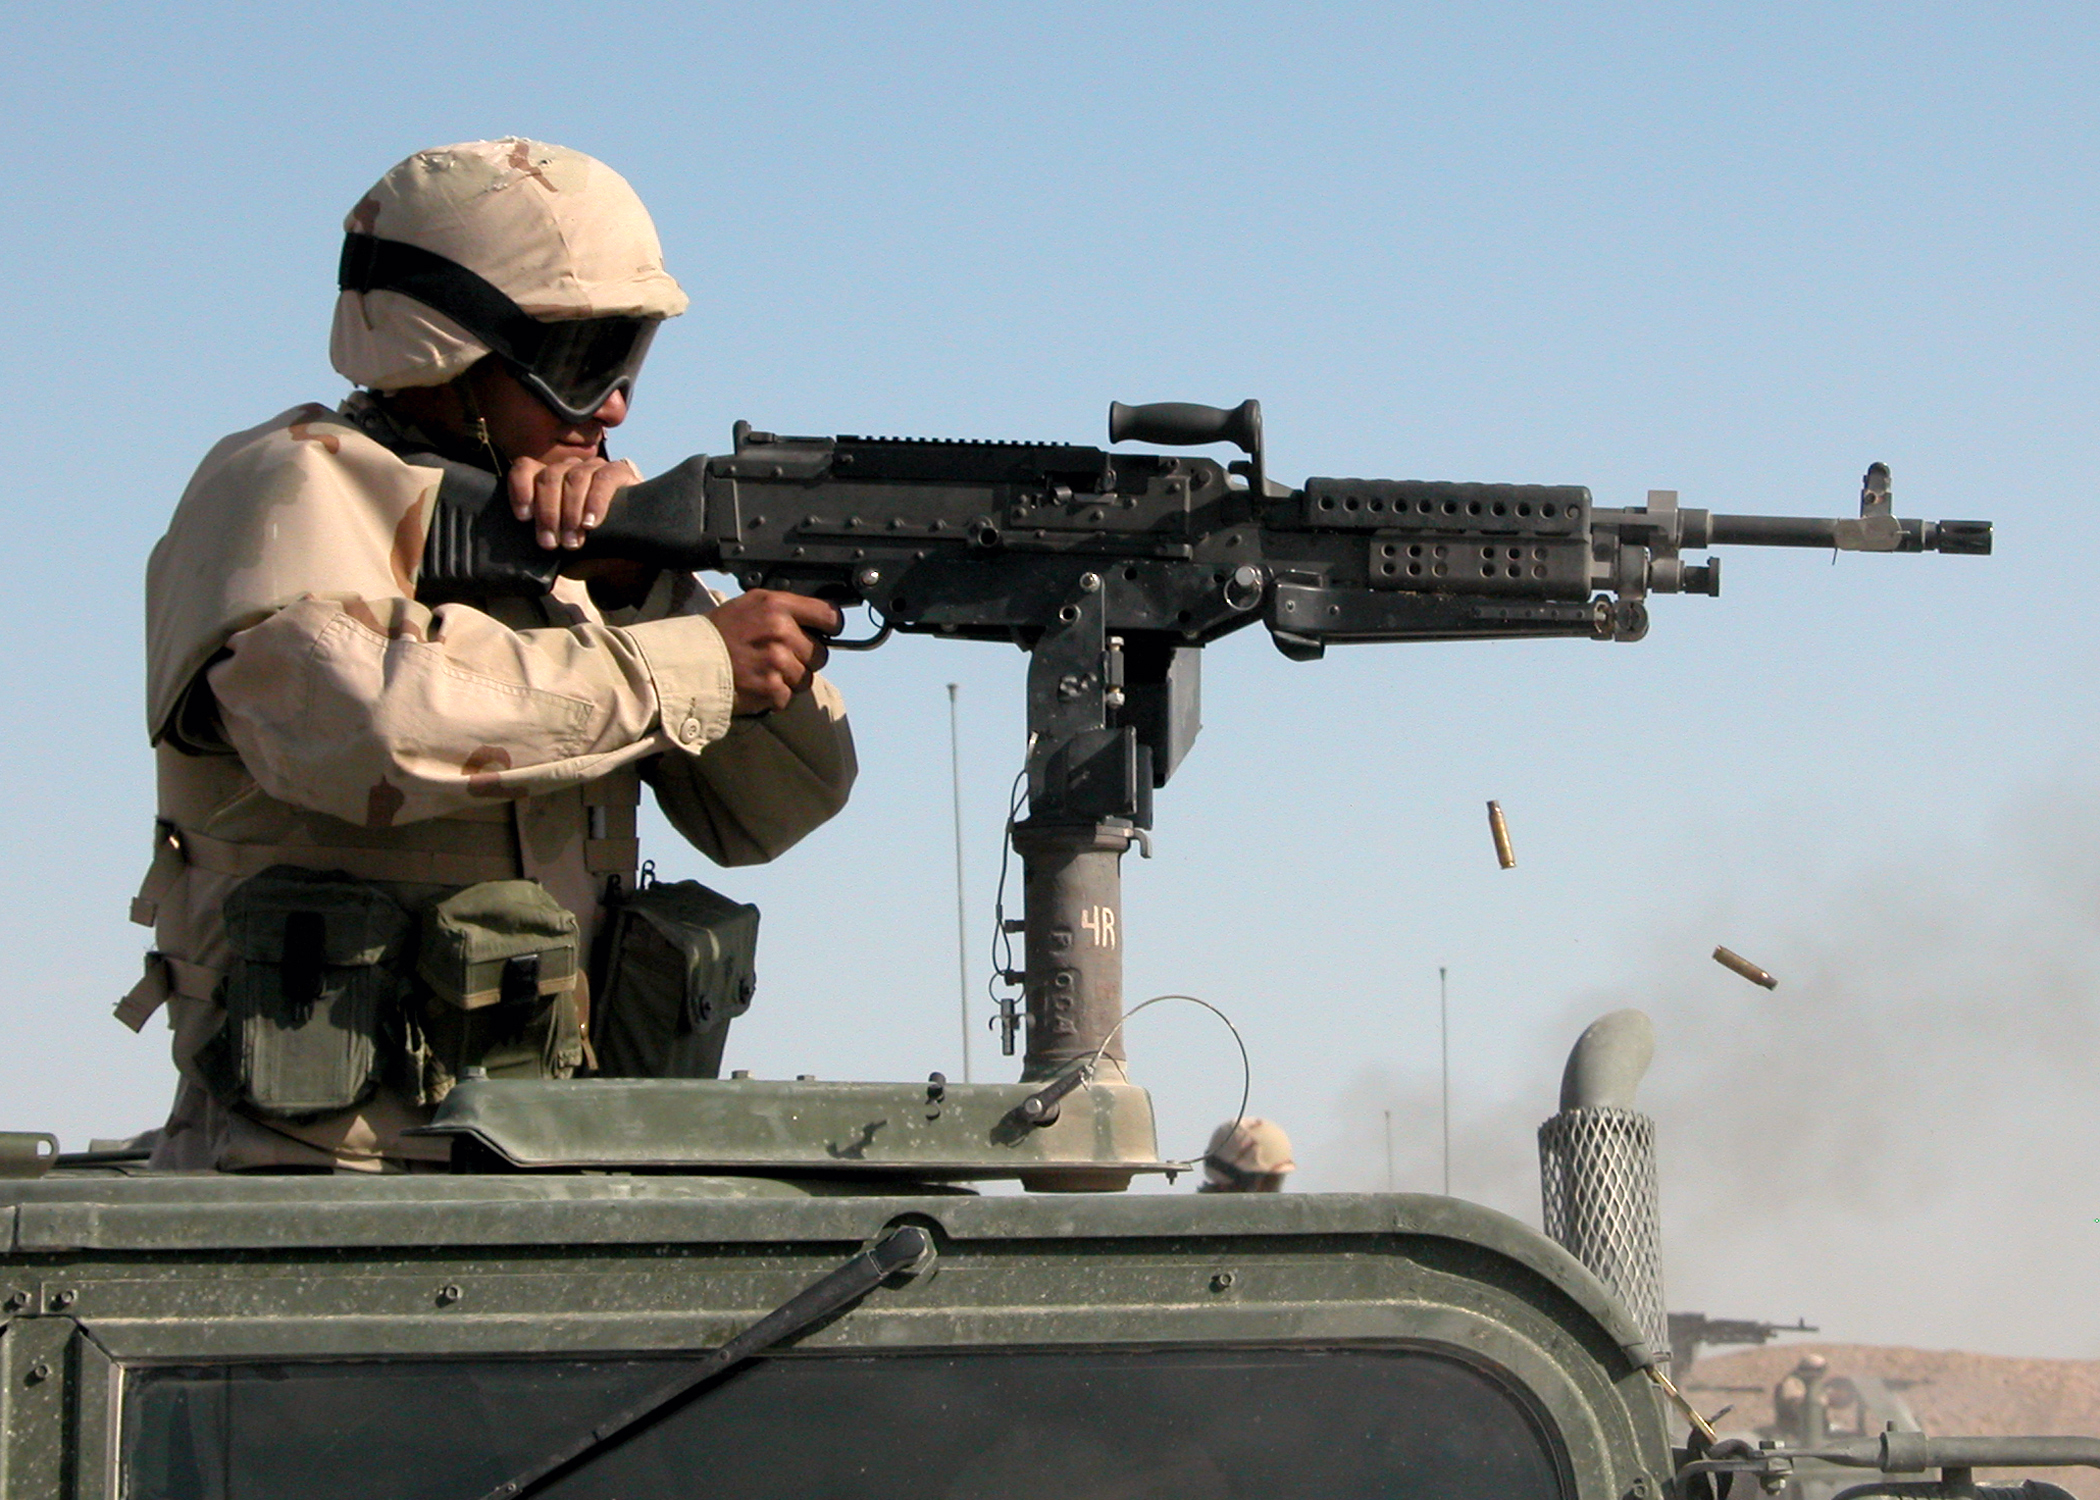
1244, 1150
535, 253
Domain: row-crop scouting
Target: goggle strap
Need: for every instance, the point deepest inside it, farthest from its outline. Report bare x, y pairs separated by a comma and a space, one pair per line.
371, 264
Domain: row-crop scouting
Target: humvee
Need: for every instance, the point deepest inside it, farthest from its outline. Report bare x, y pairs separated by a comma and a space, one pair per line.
448, 1335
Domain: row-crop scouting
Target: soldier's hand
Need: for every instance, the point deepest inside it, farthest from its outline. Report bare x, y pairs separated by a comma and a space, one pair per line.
565, 499
775, 645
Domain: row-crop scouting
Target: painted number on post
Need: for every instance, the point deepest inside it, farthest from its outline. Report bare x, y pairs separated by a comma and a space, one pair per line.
1100, 922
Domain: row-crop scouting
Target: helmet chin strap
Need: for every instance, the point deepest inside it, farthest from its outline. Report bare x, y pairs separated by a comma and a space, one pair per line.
478, 425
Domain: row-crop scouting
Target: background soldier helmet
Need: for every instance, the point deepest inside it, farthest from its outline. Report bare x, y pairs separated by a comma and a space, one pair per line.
513, 247
1247, 1156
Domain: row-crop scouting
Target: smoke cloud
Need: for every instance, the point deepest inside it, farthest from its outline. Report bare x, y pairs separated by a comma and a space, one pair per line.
1897, 1144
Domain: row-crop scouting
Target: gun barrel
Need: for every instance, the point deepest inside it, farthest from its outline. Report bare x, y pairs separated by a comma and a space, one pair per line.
1967, 538
1772, 531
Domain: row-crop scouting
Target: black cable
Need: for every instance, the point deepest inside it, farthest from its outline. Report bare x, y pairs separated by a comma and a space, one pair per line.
1002, 940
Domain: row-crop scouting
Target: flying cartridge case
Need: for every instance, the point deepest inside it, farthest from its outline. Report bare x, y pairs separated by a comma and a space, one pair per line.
1505, 852
1728, 959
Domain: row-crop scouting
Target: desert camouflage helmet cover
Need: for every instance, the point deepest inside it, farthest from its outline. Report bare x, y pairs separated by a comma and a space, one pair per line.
560, 233
1252, 1146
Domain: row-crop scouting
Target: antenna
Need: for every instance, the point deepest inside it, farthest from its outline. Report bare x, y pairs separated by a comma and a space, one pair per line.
1389, 1151
962, 931
1443, 1029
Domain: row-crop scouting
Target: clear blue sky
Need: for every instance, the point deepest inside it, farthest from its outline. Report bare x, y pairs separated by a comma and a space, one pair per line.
1736, 251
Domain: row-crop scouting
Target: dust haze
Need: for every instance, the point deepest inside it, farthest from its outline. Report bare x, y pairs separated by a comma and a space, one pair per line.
1896, 1144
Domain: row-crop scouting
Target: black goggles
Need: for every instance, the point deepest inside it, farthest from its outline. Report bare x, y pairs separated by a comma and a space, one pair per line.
574, 365
580, 363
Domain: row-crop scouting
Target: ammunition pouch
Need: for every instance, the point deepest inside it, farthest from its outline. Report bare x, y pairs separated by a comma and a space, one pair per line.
498, 969
313, 993
679, 963
333, 983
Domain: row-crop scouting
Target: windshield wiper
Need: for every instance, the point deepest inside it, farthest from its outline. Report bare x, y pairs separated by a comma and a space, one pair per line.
906, 1251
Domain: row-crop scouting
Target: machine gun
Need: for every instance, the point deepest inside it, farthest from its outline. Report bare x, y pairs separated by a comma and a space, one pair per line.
1691, 1332
1112, 570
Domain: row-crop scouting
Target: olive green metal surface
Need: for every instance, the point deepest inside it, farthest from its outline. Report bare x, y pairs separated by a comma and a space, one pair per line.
105, 1273
929, 1131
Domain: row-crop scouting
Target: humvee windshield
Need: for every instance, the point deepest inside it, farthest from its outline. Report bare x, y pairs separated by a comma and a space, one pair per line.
1088, 1424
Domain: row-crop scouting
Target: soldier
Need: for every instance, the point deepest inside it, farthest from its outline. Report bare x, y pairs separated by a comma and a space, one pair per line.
1800, 1413
338, 759
1246, 1156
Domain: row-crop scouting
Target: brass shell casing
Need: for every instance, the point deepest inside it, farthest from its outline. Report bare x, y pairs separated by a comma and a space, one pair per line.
1728, 959
1505, 852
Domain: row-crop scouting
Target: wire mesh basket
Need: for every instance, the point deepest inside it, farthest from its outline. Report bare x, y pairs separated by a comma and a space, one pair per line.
1597, 1174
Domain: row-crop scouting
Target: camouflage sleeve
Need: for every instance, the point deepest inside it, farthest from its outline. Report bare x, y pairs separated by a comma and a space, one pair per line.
767, 782
384, 711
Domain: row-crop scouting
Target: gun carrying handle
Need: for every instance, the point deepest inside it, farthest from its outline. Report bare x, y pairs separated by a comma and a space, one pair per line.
1178, 424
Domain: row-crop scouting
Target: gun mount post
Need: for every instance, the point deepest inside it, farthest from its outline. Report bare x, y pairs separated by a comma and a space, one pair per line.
1089, 789
1073, 879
